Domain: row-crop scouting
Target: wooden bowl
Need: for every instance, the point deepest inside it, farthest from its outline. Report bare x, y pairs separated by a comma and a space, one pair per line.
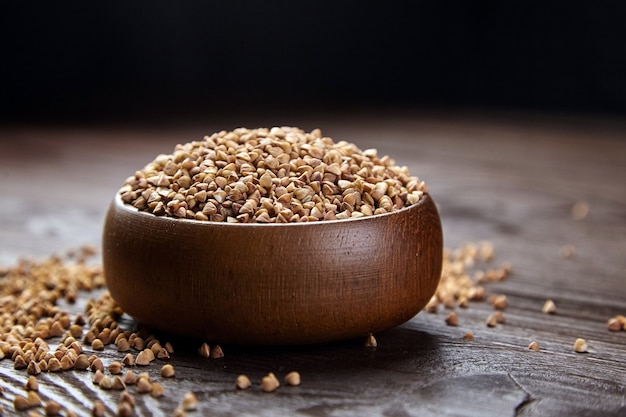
257, 283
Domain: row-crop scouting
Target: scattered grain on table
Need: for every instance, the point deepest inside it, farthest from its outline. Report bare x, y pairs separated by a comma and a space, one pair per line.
568, 251
499, 316
616, 323
549, 307
118, 383
452, 319
580, 210
157, 390
464, 272
33, 399
115, 368
167, 371
54, 365
95, 365
105, 383
126, 396
204, 350
269, 383
130, 378
580, 345
370, 341
128, 360
163, 354
98, 409
498, 301
33, 288
143, 385
82, 362
216, 352
31, 384
189, 402
125, 409
20, 403
243, 382
293, 378
97, 344
52, 408
33, 368
123, 345
97, 377
144, 357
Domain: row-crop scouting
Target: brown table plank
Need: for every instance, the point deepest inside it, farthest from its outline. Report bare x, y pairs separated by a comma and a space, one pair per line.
508, 179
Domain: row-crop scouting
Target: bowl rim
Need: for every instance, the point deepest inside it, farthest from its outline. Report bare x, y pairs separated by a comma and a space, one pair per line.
131, 209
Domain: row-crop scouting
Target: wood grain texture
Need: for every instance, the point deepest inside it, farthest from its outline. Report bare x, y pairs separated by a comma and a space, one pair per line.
273, 284
511, 180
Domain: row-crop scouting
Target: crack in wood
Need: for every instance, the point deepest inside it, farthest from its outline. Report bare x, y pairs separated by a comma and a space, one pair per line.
528, 399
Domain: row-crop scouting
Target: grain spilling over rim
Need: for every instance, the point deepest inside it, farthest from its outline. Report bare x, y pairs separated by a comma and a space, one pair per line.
277, 175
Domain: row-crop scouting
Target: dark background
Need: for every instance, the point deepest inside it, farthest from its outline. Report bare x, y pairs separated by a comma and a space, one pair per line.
102, 61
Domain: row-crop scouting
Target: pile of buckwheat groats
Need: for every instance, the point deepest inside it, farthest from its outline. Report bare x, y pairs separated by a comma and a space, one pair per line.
458, 287
466, 269
276, 175
39, 336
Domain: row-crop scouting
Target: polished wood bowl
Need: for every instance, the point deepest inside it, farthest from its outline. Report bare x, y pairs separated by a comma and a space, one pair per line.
257, 283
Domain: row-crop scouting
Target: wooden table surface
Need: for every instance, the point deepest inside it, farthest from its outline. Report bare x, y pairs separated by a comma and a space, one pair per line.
508, 179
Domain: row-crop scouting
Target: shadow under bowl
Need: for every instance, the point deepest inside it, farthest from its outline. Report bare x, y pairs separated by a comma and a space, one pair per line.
273, 284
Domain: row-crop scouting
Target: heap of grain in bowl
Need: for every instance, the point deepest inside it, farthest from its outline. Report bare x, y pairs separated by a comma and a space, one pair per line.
276, 175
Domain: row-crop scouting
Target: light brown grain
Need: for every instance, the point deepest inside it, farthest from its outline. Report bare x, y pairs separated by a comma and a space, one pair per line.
243, 382
580, 345
98, 409
52, 408
293, 378
189, 402
370, 341
549, 307
157, 390
31, 384
204, 350
269, 383
452, 319
167, 371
